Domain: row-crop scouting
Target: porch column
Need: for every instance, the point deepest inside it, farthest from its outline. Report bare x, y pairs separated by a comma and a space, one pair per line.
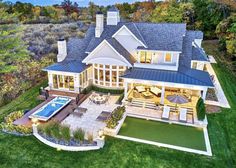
203, 95
162, 95
76, 82
50, 80
126, 90
138, 56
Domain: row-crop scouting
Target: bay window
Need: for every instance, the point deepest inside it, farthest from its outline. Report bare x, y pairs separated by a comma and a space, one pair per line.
108, 75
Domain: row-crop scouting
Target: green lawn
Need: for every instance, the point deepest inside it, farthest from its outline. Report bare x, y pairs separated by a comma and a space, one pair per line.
172, 134
27, 152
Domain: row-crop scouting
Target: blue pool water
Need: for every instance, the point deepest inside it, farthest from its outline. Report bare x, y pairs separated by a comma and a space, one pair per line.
48, 110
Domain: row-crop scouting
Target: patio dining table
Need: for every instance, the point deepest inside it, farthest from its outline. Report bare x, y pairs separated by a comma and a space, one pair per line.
99, 99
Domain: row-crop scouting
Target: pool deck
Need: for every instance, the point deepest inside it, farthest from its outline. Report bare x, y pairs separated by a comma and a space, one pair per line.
61, 115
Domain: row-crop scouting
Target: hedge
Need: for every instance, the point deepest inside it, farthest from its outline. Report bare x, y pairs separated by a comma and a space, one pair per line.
102, 90
201, 110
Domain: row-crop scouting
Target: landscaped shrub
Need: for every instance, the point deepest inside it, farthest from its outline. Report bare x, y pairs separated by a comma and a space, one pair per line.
121, 98
65, 133
201, 110
8, 125
13, 116
116, 115
90, 137
79, 135
55, 131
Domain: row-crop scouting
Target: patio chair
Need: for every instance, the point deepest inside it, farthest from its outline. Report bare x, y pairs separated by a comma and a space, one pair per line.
183, 115
166, 113
90, 100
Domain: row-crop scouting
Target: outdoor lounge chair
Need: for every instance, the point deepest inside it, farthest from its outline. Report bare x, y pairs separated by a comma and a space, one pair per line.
103, 116
183, 115
81, 109
166, 113
140, 89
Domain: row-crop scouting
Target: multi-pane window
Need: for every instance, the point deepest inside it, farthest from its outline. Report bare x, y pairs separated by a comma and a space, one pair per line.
63, 82
108, 75
145, 57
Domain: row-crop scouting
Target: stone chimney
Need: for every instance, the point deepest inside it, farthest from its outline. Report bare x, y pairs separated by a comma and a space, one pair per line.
99, 24
62, 50
113, 16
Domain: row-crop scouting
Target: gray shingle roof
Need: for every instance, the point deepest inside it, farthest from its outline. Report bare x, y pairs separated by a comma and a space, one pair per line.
198, 34
162, 36
156, 36
182, 76
121, 50
198, 54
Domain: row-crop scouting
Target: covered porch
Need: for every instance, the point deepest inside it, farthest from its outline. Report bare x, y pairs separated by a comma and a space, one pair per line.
149, 99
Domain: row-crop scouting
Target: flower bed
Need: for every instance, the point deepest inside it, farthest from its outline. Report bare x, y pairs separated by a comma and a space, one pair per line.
116, 116
115, 121
8, 127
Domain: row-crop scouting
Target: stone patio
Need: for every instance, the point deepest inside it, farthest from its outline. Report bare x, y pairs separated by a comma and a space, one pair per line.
88, 121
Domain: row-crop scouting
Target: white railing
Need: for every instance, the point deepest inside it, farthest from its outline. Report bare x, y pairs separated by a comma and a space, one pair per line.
100, 143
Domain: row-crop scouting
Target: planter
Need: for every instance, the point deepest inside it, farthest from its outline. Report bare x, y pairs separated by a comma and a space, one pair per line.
114, 131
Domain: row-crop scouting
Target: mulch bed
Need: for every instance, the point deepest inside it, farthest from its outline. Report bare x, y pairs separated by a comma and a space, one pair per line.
212, 109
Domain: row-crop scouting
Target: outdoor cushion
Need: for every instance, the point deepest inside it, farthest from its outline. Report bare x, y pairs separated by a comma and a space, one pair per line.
155, 90
183, 114
140, 88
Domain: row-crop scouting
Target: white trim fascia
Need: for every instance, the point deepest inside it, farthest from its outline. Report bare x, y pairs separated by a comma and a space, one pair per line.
166, 84
105, 41
113, 36
177, 52
63, 72
200, 61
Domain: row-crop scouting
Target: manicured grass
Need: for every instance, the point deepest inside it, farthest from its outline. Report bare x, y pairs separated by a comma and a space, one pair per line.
172, 134
27, 152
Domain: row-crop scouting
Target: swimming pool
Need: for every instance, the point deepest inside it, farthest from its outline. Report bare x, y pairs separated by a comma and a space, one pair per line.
50, 109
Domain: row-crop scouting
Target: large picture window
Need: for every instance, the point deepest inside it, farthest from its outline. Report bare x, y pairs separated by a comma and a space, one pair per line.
108, 75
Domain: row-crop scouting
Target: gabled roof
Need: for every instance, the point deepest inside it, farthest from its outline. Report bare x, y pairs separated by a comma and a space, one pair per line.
120, 49
182, 76
156, 36
67, 66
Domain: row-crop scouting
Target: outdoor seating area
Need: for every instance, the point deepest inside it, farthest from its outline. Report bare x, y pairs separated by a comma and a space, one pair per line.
99, 98
90, 115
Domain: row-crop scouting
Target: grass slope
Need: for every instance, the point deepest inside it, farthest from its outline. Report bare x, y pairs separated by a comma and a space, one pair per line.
17, 152
172, 134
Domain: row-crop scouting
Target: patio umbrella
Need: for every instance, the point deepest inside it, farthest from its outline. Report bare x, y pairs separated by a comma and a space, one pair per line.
177, 99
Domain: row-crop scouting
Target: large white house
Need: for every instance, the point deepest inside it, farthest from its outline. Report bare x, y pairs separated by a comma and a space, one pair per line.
148, 60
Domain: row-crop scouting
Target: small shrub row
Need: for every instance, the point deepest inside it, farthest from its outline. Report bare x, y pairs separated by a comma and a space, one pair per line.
102, 90
8, 125
116, 116
62, 133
